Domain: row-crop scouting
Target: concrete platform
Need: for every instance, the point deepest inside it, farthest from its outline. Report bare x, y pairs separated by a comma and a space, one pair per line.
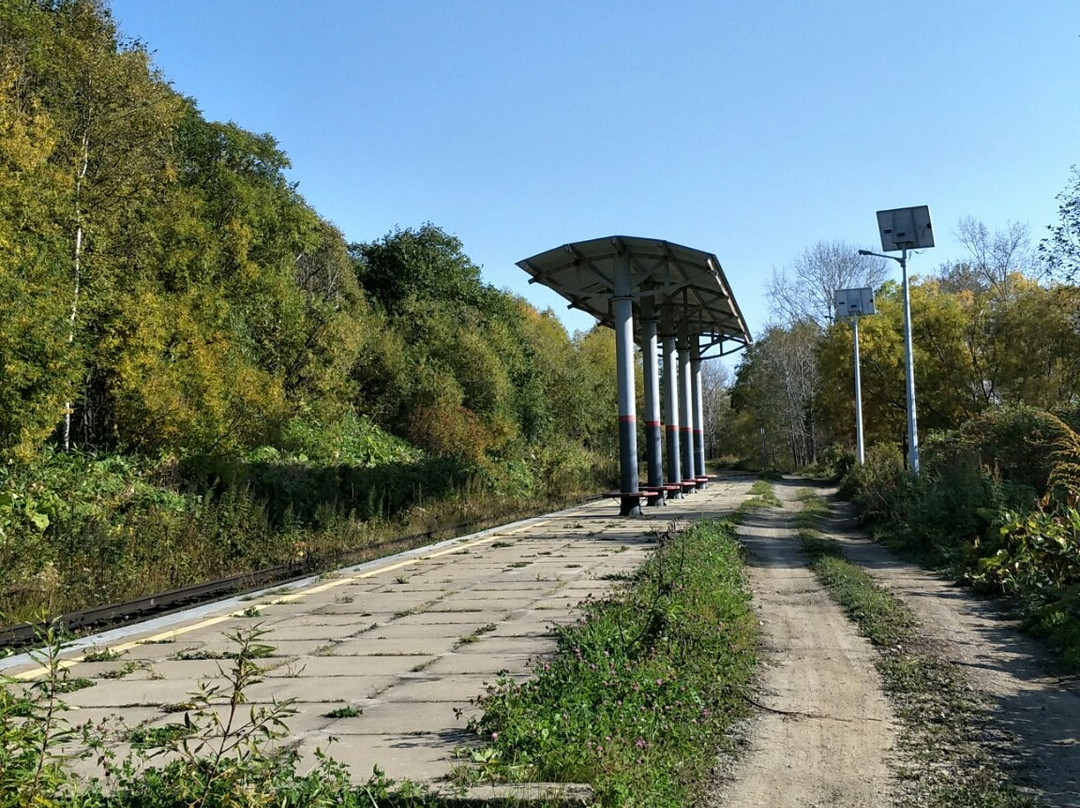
407, 642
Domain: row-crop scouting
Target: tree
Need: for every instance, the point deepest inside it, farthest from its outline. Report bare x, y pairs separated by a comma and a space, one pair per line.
805, 290
776, 383
716, 407
1060, 251
33, 259
996, 257
426, 263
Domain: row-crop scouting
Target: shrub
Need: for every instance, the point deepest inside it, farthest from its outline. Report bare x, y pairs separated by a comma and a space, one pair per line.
836, 462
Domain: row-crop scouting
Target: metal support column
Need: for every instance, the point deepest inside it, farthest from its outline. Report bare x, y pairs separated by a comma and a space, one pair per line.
860, 451
650, 370
686, 406
699, 410
909, 374
671, 402
623, 307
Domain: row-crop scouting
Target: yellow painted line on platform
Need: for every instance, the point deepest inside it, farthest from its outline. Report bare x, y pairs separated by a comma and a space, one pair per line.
314, 590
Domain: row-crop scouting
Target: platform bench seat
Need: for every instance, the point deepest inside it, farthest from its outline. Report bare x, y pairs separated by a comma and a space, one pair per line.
657, 494
629, 501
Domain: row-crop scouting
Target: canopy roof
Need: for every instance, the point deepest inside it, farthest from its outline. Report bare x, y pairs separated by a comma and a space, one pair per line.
691, 281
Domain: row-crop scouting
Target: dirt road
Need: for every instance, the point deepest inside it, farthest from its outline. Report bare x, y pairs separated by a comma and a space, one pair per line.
826, 733
826, 728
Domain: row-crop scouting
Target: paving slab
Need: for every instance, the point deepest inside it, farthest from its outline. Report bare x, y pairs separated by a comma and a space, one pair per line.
451, 630
412, 717
122, 694
308, 631
321, 689
446, 689
415, 646
490, 665
416, 756
354, 666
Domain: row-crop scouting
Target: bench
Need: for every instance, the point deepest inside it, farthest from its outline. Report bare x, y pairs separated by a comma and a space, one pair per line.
629, 501
656, 494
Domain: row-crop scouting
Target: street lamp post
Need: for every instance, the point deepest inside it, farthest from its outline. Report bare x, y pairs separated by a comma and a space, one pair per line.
904, 229
853, 304
909, 363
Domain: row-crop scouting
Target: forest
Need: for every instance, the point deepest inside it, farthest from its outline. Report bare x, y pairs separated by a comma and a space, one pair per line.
202, 375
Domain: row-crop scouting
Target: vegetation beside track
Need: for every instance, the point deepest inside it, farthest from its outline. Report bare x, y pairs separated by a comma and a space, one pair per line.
995, 505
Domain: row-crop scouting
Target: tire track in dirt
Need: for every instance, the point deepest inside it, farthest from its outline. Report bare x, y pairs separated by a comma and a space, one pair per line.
826, 730
1036, 704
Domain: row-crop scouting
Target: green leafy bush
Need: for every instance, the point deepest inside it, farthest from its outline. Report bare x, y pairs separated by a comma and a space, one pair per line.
1037, 557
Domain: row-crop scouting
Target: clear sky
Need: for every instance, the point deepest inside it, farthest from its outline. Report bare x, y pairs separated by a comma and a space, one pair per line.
748, 128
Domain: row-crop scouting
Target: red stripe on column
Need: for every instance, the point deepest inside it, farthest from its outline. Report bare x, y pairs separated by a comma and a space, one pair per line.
652, 423
627, 419
672, 428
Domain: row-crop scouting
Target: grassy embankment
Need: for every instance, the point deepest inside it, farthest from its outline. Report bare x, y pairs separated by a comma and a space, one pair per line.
643, 684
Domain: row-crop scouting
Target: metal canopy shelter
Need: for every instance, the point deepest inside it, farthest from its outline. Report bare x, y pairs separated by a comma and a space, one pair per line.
690, 280
644, 289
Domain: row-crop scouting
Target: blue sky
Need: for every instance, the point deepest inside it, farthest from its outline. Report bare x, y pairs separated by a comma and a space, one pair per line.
749, 129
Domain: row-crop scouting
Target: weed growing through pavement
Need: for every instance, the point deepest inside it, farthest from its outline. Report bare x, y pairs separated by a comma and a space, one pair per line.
126, 669
195, 654
348, 711
101, 655
73, 684
947, 741
34, 731
641, 684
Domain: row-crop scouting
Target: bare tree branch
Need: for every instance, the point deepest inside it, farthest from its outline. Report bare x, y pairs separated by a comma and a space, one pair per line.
804, 291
